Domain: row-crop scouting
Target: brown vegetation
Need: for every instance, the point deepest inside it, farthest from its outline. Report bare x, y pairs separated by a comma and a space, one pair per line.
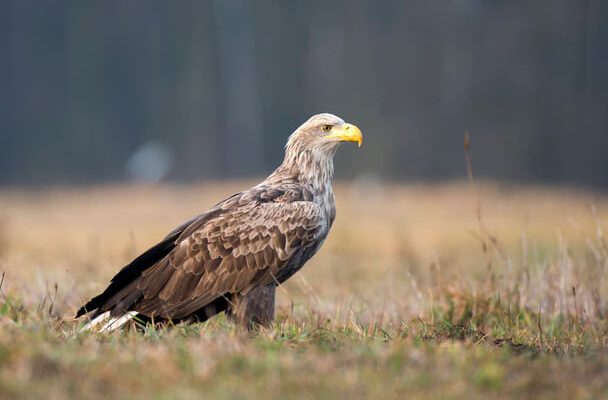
410, 294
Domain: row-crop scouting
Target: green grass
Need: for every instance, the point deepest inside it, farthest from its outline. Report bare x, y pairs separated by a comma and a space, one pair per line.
501, 353
412, 302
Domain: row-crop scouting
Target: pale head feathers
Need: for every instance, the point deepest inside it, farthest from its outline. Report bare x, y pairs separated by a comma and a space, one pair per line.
309, 155
311, 132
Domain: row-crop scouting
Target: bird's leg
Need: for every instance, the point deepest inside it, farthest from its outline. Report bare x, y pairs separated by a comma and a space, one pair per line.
254, 308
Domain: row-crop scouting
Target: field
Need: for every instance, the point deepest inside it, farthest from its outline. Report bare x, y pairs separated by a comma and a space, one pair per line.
421, 291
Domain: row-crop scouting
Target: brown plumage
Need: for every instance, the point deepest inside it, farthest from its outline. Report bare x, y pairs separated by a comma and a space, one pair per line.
231, 257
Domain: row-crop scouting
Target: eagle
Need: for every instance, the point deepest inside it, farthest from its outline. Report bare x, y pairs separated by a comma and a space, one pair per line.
231, 258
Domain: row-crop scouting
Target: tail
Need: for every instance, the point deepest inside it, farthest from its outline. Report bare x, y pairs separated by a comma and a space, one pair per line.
110, 324
121, 285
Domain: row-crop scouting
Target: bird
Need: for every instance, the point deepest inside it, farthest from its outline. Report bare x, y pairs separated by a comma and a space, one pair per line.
231, 257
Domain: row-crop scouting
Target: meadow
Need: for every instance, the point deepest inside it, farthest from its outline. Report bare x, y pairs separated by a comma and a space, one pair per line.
421, 291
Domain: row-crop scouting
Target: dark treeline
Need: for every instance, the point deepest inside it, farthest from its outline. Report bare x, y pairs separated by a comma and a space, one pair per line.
220, 84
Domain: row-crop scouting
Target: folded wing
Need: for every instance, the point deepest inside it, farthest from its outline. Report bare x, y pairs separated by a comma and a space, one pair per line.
251, 239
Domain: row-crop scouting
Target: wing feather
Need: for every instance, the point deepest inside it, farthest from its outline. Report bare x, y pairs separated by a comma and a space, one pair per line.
243, 242
243, 248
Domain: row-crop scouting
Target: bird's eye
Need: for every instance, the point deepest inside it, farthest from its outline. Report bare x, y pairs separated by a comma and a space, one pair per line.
327, 128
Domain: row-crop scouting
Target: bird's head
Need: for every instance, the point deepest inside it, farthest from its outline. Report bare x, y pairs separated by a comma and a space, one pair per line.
323, 133
310, 149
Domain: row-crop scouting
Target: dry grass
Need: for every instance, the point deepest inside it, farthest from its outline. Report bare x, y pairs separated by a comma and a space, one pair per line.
411, 295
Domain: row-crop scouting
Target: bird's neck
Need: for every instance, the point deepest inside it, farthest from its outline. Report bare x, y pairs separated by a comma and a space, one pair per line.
312, 168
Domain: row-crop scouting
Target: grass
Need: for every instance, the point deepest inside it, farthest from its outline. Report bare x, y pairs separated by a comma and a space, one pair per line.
412, 296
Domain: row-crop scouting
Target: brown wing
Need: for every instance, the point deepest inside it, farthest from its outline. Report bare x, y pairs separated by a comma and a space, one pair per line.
239, 249
236, 251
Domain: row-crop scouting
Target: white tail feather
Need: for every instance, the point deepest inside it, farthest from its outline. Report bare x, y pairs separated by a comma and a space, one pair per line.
116, 323
110, 323
95, 321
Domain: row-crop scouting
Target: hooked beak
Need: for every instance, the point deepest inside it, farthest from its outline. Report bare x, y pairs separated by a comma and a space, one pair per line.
345, 133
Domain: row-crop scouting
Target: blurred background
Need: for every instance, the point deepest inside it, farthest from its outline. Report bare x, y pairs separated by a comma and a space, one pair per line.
107, 91
121, 119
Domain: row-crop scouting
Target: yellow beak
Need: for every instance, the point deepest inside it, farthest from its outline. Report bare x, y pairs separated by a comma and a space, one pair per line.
346, 133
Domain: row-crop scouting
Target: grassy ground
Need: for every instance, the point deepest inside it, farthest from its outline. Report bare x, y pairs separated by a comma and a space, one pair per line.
418, 292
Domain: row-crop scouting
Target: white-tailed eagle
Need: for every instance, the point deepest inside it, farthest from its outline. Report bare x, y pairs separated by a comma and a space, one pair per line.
231, 257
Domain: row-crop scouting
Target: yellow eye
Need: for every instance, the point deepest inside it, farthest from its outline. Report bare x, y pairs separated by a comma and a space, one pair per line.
327, 128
